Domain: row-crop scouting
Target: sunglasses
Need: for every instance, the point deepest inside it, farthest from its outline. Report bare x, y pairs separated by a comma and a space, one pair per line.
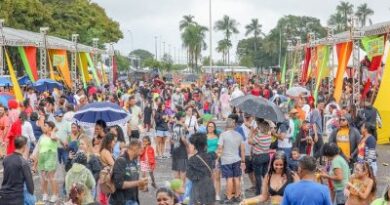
343, 119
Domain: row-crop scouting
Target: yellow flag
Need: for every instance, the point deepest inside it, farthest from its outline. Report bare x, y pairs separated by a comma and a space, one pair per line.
14, 80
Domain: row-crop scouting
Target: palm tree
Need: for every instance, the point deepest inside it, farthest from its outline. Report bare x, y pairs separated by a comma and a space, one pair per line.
346, 10
186, 21
255, 28
229, 27
223, 47
363, 12
337, 21
194, 39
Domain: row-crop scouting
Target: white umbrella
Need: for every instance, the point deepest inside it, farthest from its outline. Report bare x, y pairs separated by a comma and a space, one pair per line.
298, 91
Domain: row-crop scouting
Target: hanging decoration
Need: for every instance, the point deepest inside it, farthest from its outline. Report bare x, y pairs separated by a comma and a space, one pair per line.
114, 70
344, 51
374, 47
283, 78
14, 80
306, 64
322, 60
92, 66
60, 61
29, 62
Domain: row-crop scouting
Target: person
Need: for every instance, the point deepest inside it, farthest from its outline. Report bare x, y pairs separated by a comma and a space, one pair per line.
125, 176
107, 160
275, 182
232, 151
63, 132
361, 187
79, 173
45, 157
161, 120
385, 200
4, 127
199, 170
148, 112
179, 148
191, 123
338, 173
369, 115
17, 174
73, 139
76, 194
317, 127
165, 196
136, 117
224, 102
14, 132
295, 157
246, 127
304, 141
260, 141
212, 146
177, 100
28, 132
367, 147
347, 139
306, 191
120, 143
147, 160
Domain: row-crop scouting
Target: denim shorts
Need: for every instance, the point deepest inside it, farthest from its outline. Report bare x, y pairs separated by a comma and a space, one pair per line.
231, 170
160, 133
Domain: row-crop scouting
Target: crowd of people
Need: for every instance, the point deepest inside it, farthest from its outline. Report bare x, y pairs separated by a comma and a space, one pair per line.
323, 153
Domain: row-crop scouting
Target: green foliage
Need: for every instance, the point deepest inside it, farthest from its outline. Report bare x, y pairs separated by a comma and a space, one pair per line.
142, 54
64, 17
362, 13
122, 61
228, 26
152, 63
340, 20
167, 62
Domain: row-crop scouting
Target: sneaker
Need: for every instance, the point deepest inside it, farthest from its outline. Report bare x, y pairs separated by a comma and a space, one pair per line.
237, 199
53, 198
217, 198
228, 201
45, 197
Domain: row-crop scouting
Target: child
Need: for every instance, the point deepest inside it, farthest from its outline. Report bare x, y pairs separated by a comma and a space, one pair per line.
147, 160
294, 161
361, 186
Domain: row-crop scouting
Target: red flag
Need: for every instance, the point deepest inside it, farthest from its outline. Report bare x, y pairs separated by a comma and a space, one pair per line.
306, 65
114, 70
366, 89
31, 54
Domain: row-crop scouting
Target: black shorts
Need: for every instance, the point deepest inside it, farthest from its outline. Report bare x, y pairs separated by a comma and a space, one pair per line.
248, 165
231, 170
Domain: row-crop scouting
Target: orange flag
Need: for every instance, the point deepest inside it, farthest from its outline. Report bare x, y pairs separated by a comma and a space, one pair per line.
344, 51
60, 61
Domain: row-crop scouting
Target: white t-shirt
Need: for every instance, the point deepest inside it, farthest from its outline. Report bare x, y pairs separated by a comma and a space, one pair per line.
28, 132
135, 117
286, 142
230, 141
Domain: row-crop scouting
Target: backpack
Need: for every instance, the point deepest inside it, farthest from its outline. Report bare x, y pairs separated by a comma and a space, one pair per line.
105, 181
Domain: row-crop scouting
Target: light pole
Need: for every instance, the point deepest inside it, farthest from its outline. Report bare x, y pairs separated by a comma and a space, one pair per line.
131, 40
1, 47
211, 39
155, 46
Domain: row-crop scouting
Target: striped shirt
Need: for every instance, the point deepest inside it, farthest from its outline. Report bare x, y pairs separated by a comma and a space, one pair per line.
261, 143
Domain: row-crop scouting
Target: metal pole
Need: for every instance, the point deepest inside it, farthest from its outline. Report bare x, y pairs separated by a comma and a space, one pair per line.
111, 54
43, 53
280, 46
211, 38
74, 62
2, 47
155, 46
355, 35
330, 78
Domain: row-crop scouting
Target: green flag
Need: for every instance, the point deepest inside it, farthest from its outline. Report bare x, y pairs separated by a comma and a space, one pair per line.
92, 66
283, 79
323, 60
26, 64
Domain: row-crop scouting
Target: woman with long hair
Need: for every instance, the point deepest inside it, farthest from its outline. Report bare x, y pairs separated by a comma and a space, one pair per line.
46, 157
117, 131
161, 120
275, 182
361, 187
107, 159
212, 146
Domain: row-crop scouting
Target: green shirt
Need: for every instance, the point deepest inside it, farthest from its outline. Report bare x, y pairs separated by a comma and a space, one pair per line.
47, 144
380, 201
339, 163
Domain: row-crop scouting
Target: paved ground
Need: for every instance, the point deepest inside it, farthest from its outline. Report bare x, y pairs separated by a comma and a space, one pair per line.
163, 173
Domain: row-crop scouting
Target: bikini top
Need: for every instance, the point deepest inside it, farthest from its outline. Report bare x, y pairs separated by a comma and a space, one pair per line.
280, 192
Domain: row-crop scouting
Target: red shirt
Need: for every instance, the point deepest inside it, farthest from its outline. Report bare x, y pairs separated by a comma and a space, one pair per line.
14, 132
147, 155
256, 92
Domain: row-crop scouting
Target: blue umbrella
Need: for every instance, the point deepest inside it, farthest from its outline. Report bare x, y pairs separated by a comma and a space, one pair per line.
5, 81
5, 97
24, 80
111, 113
42, 85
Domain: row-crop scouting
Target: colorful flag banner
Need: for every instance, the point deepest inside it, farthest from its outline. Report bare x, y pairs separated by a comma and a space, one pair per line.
14, 80
51, 69
60, 61
373, 45
26, 63
92, 66
81, 66
114, 70
306, 64
323, 60
344, 51
31, 54
382, 104
283, 80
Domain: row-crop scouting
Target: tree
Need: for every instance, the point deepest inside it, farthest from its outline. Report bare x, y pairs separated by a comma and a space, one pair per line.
255, 28
141, 54
336, 20
362, 13
152, 63
63, 18
167, 62
223, 47
186, 21
340, 19
193, 38
228, 26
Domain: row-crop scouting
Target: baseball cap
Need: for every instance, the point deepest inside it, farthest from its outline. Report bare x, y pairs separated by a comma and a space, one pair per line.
58, 113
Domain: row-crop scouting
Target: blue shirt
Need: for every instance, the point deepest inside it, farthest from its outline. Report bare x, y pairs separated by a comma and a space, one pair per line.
306, 192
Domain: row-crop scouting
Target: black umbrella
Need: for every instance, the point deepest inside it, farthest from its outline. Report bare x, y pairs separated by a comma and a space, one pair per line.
259, 107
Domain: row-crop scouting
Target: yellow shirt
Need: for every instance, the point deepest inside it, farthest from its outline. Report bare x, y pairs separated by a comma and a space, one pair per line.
342, 140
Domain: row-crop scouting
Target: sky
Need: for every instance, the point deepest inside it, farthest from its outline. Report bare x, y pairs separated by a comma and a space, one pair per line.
141, 21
